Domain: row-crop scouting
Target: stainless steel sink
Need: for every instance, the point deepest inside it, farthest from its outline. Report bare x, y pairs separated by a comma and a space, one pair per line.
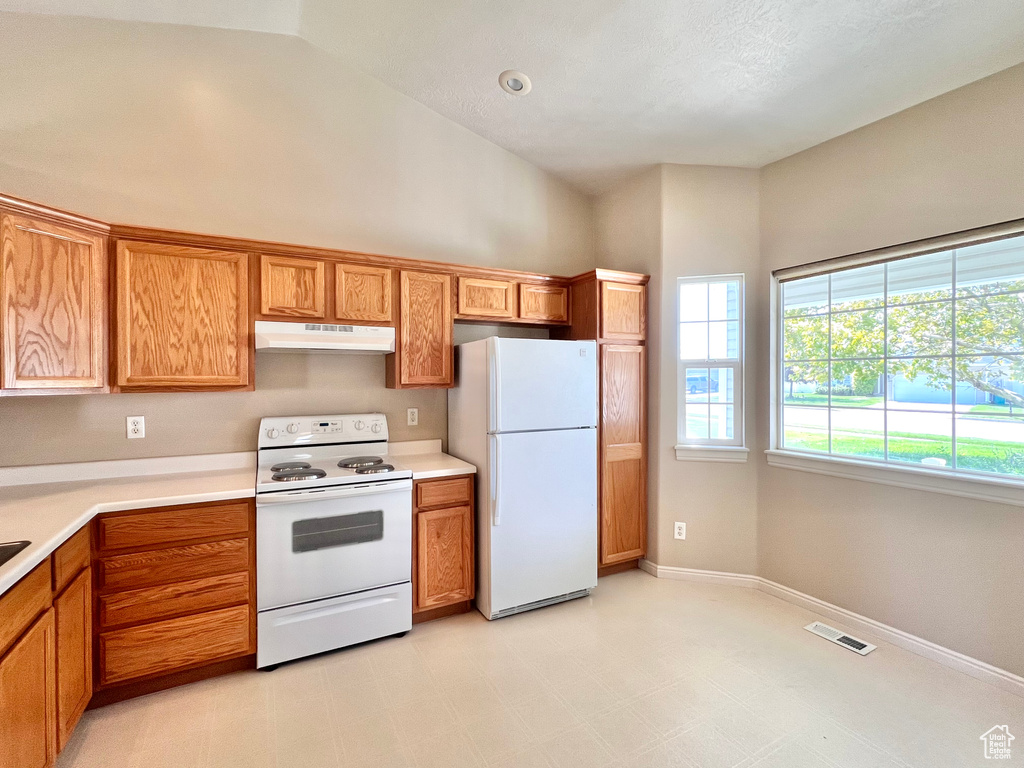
9, 549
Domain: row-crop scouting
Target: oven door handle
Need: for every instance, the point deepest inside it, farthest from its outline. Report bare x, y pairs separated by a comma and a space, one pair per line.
312, 494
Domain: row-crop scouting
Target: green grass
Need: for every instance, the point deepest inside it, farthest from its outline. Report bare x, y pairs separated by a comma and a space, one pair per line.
997, 412
847, 400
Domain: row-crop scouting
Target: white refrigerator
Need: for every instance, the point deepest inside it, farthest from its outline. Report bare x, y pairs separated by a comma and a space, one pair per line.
524, 411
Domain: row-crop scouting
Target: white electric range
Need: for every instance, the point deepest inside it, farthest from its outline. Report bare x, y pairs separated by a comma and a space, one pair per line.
333, 536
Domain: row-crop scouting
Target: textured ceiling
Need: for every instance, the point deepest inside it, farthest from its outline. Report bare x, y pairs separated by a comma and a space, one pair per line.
621, 84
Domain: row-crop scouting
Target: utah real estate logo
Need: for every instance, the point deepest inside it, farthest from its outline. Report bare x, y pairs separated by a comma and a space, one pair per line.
997, 742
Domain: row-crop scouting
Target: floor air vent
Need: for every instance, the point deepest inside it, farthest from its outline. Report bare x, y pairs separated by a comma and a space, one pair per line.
840, 638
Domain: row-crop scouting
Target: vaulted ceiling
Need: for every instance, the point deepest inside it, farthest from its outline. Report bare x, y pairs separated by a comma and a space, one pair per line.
621, 84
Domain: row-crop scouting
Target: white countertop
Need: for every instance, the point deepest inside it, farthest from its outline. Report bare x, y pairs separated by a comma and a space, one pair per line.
48, 513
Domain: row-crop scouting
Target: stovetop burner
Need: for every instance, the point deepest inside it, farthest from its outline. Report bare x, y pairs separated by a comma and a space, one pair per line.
375, 469
286, 466
359, 462
299, 474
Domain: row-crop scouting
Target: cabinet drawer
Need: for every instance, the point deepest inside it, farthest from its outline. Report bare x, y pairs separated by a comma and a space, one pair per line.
23, 602
187, 597
166, 566
70, 557
166, 646
450, 492
147, 529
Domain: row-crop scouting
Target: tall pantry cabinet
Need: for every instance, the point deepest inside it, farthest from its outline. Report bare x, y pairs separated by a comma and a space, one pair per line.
611, 308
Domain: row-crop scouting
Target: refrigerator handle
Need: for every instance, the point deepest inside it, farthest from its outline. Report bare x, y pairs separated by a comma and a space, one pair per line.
494, 390
495, 487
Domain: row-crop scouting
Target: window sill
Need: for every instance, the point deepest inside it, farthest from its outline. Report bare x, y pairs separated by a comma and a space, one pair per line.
728, 454
993, 489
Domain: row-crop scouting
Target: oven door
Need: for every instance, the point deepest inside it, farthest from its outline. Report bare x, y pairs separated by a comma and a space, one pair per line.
323, 542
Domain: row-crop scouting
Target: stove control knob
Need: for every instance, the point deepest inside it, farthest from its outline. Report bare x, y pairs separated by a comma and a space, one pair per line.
360, 425
293, 428
273, 433
375, 428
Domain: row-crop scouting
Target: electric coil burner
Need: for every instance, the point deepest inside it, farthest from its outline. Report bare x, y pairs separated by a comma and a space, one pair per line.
295, 475
360, 462
376, 469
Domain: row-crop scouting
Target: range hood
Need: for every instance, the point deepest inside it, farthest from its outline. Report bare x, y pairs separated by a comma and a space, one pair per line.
324, 337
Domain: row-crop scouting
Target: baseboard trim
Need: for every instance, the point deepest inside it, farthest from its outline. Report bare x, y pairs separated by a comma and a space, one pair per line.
977, 669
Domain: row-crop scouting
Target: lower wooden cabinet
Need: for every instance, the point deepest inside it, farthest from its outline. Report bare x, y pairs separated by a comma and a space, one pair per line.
73, 616
444, 572
28, 706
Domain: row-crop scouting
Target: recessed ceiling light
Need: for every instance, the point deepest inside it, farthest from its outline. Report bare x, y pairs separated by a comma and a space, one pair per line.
514, 82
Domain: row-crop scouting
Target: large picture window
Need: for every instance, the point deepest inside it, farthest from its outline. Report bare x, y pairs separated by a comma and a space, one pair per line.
915, 361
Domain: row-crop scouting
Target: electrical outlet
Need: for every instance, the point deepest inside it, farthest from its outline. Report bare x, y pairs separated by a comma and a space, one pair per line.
413, 417
136, 427
680, 530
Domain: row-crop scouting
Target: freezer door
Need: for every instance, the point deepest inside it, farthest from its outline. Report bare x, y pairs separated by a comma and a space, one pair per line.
541, 514
538, 384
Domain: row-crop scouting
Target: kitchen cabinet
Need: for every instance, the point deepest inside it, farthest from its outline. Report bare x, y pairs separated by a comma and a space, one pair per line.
72, 610
424, 356
362, 294
483, 299
443, 572
543, 303
623, 311
182, 318
292, 287
53, 296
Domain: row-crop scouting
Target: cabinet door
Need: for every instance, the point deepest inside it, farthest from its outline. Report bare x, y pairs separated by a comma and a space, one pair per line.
28, 710
623, 453
486, 298
73, 614
544, 303
182, 317
53, 294
362, 294
291, 287
425, 356
444, 548
623, 312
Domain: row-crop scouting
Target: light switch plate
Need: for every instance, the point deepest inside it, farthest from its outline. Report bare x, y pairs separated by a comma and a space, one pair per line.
136, 426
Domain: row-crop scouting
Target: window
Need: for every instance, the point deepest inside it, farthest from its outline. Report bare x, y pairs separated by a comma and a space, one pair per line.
710, 370
916, 361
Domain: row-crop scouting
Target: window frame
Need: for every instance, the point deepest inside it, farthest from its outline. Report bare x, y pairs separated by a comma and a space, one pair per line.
712, 449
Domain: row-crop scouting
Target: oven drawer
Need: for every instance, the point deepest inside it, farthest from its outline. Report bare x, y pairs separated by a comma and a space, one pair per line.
163, 566
162, 602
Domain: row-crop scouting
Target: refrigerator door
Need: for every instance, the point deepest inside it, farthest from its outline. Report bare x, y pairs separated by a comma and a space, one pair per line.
541, 517
537, 384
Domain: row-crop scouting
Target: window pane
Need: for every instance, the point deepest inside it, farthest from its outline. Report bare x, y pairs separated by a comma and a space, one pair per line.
721, 422
990, 415
693, 341
806, 338
724, 343
920, 384
858, 433
921, 278
858, 384
806, 383
921, 437
808, 296
693, 301
696, 385
720, 389
724, 301
696, 422
990, 324
858, 288
921, 329
858, 334
990, 267
805, 429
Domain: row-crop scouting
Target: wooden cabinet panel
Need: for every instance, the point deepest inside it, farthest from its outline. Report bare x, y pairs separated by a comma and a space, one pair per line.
444, 545
69, 558
166, 646
152, 528
137, 606
544, 303
23, 602
53, 287
623, 453
425, 356
73, 616
182, 317
165, 566
362, 294
28, 708
487, 298
291, 287
623, 312
448, 492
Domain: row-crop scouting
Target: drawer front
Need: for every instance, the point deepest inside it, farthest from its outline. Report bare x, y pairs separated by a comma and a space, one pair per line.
23, 602
147, 529
70, 558
166, 566
443, 493
166, 646
137, 606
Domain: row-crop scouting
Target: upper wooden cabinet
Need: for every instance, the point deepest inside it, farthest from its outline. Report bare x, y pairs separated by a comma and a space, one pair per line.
291, 287
182, 317
623, 312
53, 286
544, 303
362, 294
424, 355
480, 298
609, 306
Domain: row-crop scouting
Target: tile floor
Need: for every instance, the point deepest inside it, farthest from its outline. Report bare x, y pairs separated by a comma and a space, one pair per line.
646, 673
